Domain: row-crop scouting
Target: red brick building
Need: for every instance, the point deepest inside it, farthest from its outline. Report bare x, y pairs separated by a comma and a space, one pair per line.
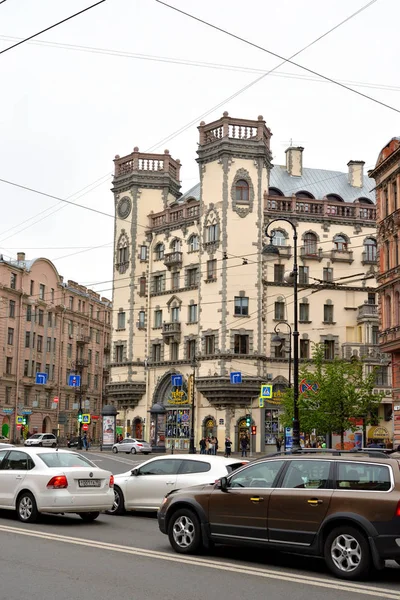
56, 328
387, 177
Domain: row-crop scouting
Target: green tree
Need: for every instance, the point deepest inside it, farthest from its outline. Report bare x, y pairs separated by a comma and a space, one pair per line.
345, 394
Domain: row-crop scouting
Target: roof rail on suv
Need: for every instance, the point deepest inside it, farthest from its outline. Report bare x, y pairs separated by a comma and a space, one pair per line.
371, 452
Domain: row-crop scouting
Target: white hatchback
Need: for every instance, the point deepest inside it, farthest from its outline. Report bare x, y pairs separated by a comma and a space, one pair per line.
144, 487
39, 480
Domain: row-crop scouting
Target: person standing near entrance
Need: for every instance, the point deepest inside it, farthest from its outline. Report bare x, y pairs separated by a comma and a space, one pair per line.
202, 446
243, 445
228, 447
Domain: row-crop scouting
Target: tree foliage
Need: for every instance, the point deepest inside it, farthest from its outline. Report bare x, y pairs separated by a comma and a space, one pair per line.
345, 394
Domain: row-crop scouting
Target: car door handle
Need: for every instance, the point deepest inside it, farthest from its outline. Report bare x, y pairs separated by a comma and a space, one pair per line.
18, 477
170, 482
314, 501
256, 499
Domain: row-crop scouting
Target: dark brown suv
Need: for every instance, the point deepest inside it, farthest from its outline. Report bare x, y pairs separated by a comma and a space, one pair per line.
342, 506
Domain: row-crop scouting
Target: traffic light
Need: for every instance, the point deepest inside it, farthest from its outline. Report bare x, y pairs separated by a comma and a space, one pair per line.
80, 417
23, 420
248, 421
253, 429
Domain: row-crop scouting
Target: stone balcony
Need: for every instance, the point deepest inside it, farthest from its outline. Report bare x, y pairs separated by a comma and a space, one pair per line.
171, 332
320, 209
173, 259
368, 312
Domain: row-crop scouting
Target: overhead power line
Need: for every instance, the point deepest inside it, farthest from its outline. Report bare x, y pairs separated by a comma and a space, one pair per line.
288, 60
51, 27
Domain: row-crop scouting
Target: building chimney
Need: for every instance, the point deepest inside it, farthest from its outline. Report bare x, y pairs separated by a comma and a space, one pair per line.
20, 256
294, 161
356, 173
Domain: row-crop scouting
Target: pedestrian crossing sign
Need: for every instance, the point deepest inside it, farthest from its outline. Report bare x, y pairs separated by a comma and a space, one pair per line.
266, 391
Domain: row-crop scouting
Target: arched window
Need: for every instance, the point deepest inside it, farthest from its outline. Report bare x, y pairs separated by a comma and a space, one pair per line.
193, 243
123, 254
370, 249
388, 312
212, 233
279, 238
310, 243
159, 251
334, 198
340, 243
242, 191
176, 245
304, 194
275, 192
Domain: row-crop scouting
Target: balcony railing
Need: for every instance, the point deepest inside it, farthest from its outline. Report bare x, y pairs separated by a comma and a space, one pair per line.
369, 258
83, 339
342, 256
311, 253
170, 216
366, 311
171, 332
173, 259
322, 208
81, 363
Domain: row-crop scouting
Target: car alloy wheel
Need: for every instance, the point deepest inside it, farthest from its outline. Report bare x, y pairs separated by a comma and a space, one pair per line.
26, 508
347, 553
118, 507
115, 450
133, 450
184, 532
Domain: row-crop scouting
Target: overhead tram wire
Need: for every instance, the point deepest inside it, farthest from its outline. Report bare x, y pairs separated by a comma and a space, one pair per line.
276, 55
23, 41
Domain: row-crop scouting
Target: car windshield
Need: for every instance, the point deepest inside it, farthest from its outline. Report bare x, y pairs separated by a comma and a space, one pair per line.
35, 436
65, 459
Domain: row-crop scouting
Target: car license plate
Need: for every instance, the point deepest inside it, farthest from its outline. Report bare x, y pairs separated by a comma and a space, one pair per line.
89, 482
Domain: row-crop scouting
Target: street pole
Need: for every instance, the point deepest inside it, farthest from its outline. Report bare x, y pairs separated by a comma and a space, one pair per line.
192, 448
80, 413
274, 250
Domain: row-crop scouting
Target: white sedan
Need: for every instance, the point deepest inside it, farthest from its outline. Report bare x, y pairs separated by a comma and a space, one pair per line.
144, 487
39, 480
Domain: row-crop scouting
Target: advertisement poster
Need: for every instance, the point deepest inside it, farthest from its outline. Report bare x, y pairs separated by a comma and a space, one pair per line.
352, 440
108, 431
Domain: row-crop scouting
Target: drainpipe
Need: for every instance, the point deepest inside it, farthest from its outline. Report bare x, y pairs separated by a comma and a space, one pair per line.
18, 366
60, 343
147, 355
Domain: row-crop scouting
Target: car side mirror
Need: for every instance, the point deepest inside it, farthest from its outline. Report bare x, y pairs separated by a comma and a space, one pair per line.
135, 472
223, 484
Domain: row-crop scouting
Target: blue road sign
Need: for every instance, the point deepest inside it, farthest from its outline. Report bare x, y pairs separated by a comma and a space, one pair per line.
41, 378
266, 391
177, 380
74, 380
236, 377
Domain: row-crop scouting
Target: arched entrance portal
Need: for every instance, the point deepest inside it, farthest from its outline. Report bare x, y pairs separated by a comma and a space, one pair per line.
138, 428
173, 425
242, 431
209, 427
46, 425
5, 428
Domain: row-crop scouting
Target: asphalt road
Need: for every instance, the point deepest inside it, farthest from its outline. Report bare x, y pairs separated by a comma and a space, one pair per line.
65, 558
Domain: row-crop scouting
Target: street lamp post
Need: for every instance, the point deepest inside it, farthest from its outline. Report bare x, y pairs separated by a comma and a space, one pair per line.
192, 448
270, 249
277, 339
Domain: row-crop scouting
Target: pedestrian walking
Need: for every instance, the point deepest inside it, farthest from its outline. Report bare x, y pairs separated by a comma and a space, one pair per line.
215, 445
278, 443
202, 445
228, 447
84, 441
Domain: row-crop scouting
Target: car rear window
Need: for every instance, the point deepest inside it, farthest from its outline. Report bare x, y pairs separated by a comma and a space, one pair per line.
194, 466
363, 476
234, 466
55, 460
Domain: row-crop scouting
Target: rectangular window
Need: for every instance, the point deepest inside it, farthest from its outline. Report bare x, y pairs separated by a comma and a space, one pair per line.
329, 349
33, 340
175, 314
38, 367
90, 356
304, 312
26, 397
42, 288
241, 306
158, 318
13, 281
174, 351
70, 328
304, 349
10, 336
280, 350
67, 374
27, 339
143, 252
209, 344
29, 313
279, 272
50, 319
192, 277
32, 287
327, 274
79, 306
41, 317
142, 286
212, 269
71, 303
375, 334
54, 345
279, 314
39, 343
381, 377
89, 380
158, 283
52, 295
91, 311
96, 382
119, 353
66, 402
328, 313
97, 358
371, 298
241, 344
26, 368
69, 351
121, 320
193, 313
11, 310
97, 336
47, 371
175, 280
304, 275
8, 395
156, 352
98, 316
191, 349
141, 322
48, 344
212, 233
359, 476
9, 365
47, 400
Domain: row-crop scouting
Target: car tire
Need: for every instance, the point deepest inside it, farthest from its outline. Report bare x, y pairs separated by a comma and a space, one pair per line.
115, 450
89, 516
146, 453
347, 553
26, 508
40, 444
119, 502
53, 445
184, 532
133, 450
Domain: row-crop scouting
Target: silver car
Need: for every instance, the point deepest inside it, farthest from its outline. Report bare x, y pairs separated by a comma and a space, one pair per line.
132, 446
41, 439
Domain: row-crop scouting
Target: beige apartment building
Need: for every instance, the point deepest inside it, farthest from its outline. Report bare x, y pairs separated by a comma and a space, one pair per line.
56, 328
193, 294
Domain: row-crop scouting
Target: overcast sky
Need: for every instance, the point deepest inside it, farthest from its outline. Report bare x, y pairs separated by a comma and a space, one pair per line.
65, 113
